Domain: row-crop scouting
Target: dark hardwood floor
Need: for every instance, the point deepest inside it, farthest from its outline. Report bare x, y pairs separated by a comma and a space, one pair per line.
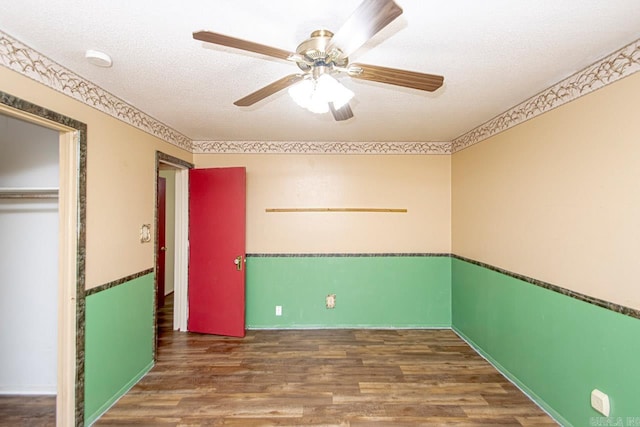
317, 377
321, 377
27, 411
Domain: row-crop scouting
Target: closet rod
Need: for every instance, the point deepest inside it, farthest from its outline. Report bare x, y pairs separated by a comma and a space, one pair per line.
28, 193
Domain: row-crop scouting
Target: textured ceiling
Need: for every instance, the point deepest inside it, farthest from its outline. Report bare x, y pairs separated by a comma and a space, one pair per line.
493, 55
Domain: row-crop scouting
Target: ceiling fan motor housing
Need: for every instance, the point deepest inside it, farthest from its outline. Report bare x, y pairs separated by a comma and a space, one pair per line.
314, 50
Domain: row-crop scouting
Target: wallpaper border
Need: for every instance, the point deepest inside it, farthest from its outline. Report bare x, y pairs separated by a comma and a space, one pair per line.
310, 147
621, 63
30, 63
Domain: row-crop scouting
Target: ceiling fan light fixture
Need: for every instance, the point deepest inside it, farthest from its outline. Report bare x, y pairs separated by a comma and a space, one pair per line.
318, 104
333, 91
316, 94
301, 92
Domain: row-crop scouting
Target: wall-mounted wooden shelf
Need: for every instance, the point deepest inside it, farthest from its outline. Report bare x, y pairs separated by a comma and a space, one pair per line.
383, 210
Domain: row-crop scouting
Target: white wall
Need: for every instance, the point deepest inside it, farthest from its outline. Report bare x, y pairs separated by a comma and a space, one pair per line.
28, 260
170, 227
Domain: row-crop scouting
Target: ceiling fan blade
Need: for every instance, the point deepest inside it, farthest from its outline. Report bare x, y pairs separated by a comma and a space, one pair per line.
394, 76
269, 90
369, 18
342, 113
221, 39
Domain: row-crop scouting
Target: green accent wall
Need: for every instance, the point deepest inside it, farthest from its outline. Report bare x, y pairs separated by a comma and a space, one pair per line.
555, 347
371, 291
119, 342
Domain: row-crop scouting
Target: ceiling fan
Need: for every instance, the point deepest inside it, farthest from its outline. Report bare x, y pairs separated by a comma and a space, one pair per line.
324, 55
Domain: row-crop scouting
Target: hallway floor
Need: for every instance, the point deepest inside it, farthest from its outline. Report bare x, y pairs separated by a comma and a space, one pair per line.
321, 377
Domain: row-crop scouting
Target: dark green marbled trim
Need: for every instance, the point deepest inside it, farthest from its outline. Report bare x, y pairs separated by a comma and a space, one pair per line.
118, 282
627, 311
81, 140
345, 255
36, 110
160, 156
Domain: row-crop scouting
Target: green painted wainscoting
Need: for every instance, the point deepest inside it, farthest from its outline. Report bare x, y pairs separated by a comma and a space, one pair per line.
372, 291
119, 342
555, 347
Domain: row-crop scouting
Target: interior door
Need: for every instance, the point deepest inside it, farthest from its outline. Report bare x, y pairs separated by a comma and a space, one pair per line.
161, 249
217, 251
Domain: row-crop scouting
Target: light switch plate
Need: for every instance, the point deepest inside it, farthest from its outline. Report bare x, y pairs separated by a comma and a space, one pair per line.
145, 233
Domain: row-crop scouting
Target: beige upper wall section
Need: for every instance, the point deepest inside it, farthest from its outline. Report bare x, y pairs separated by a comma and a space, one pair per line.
120, 194
417, 183
120, 181
554, 198
557, 198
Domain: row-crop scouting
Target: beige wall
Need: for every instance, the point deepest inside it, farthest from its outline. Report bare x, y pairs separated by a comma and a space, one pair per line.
558, 197
555, 198
417, 183
120, 181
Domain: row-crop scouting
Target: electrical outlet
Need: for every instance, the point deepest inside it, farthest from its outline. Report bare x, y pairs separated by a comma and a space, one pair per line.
278, 310
600, 402
331, 301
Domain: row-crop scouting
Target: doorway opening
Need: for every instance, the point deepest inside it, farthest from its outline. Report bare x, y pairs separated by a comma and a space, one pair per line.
171, 242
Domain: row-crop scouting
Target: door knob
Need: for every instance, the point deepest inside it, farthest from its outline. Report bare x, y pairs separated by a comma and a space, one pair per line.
163, 248
238, 262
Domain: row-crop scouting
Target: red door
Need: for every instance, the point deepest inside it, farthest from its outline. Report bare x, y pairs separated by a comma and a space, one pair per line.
161, 249
217, 251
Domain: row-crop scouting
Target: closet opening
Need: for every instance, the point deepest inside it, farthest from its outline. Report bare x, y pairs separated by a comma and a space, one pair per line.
42, 251
29, 217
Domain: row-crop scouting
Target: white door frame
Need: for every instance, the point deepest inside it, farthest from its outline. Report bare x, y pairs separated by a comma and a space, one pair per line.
181, 271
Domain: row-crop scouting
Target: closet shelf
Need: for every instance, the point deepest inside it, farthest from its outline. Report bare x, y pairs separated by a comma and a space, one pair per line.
28, 193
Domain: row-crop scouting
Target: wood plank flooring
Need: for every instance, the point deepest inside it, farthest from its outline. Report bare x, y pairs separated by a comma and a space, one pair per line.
321, 377
27, 411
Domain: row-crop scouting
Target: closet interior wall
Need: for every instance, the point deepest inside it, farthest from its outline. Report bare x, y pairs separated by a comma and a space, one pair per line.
29, 179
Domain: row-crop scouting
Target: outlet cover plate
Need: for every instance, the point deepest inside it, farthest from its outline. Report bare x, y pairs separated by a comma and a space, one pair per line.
331, 301
600, 402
